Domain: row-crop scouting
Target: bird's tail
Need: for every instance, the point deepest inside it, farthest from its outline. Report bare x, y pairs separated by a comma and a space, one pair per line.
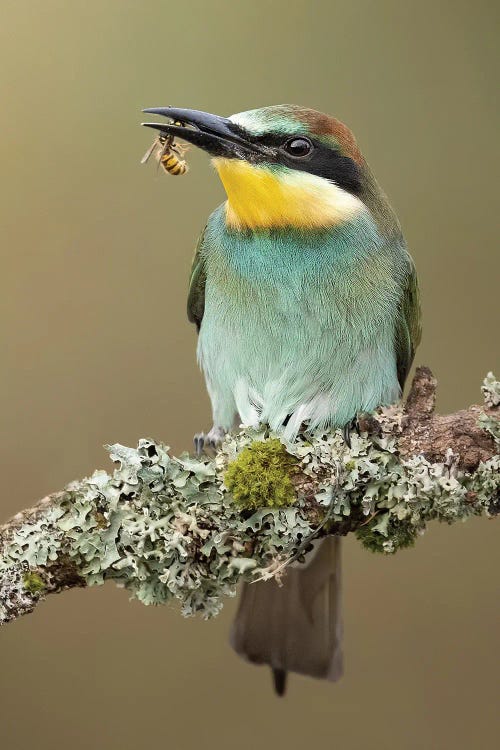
296, 627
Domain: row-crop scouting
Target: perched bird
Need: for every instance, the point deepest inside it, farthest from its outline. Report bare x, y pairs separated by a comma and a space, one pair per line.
306, 303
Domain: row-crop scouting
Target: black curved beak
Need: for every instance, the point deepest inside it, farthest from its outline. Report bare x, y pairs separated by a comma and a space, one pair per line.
216, 135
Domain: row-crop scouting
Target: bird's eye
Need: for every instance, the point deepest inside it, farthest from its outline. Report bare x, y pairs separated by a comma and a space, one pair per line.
298, 147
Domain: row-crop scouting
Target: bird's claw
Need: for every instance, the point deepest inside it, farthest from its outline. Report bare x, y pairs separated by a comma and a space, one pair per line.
211, 440
348, 428
199, 443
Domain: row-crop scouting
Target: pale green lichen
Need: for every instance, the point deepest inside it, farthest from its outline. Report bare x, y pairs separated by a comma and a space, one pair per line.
170, 531
169, 528
402, 495
386, 536
491, 391
261, 475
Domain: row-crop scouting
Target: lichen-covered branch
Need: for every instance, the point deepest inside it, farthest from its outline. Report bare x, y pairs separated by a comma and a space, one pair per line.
190, 529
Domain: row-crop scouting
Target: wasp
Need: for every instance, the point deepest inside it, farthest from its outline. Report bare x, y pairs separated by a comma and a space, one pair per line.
167, 153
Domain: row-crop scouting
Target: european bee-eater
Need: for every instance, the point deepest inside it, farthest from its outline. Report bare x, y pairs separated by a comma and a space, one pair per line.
306, 303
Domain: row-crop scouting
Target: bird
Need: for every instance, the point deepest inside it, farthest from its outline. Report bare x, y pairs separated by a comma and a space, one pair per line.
306, 303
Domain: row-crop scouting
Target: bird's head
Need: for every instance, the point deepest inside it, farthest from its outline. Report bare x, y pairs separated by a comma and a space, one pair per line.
281, 166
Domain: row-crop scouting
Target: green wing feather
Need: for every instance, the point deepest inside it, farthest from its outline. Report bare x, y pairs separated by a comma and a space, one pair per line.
196, 293
408, 326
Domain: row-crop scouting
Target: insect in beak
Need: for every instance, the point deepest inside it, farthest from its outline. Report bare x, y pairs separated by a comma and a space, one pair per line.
168, 153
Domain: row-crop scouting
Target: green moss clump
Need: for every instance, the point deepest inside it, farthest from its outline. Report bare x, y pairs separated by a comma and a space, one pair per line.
260, 477
33, 583
399, 535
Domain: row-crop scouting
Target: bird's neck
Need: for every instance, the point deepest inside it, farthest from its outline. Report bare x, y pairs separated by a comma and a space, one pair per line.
266, 198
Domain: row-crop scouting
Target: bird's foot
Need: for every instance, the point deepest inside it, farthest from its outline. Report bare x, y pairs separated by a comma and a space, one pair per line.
199, 443
348, 428
210, 441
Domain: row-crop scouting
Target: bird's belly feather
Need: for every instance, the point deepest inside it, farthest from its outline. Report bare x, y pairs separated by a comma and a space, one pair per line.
306, 372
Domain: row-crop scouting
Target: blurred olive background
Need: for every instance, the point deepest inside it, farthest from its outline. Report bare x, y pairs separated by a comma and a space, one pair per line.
96, 348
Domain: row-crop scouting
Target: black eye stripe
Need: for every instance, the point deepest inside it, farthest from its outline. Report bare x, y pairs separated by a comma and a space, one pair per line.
323, 161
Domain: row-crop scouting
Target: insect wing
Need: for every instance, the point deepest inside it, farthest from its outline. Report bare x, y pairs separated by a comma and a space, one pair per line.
149, 152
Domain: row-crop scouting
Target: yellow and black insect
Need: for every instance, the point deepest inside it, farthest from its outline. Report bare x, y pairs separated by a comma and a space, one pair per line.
167, 153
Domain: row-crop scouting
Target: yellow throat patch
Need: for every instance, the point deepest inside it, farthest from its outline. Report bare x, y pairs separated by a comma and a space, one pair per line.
260, 198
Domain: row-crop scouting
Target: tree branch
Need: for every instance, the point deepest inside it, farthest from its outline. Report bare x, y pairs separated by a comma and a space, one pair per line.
190, 529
